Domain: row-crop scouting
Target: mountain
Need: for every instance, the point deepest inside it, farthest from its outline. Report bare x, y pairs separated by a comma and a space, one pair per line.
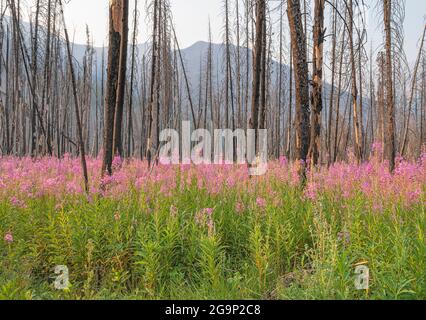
195, 58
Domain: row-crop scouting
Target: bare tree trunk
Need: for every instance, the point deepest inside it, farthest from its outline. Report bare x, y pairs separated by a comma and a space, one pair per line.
257, 61
239, 102
115, 22
410, 104
358, 134
372, 99
263, 72
153, 79
361, 99
119, 106
298, 42
248, 12
34, 81
391, 144
132, 76
229, 83
317, 82
77, 110
333, 76
381, 97
290, 106
339, 90
45, 99
280, 82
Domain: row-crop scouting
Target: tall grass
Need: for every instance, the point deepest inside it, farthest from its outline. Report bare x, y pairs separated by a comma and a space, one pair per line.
267, 239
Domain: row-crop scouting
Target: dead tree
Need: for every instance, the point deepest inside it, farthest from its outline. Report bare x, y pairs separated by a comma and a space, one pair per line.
317, 82
34, 80
390, 141
115, 29
229, 90
381, 107
280, 82
298, 42
153, 81
239, 101
333, 77
121, 85
339, 90
77, 109
413, 85
357, 130
132, 79
257, 61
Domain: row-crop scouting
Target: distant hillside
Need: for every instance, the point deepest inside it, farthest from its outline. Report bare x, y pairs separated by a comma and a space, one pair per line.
195, 58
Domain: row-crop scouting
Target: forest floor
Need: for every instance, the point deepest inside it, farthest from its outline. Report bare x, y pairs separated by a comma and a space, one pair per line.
211, 232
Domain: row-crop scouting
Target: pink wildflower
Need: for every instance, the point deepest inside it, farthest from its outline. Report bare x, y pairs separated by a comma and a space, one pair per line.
311, 192
117, 162
204, 215
283, 161
8, 237
414, 196
208, 211
17, 203
239, 207
377, 207
261, 202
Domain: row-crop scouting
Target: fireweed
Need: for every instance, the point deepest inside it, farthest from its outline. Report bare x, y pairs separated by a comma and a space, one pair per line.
211, 231
23, 179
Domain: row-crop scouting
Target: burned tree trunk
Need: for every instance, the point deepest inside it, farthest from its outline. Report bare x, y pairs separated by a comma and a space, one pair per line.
358, 133
390, 141
77, 110
119, 105
34, 81
257, 61
298, 43
132, 78
317, 82
414, 80
115, 27
333, 76
152, 86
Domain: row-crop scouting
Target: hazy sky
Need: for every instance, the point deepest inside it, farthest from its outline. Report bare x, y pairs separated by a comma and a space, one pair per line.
191, 21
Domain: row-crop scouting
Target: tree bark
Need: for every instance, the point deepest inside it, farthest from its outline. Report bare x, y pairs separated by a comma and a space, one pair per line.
298, 42
390, 141
119, 105
115, 16
257, 61
317, 82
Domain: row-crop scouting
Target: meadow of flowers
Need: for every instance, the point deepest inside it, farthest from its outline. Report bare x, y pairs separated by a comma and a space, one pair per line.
198, 232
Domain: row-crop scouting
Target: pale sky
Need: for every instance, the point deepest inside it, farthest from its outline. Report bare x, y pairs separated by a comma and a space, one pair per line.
190, 17
191, 21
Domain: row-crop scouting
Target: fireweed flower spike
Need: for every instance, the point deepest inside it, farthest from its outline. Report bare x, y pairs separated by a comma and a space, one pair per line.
208, 211
8, 238
261, 203
239, 207
22, 180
